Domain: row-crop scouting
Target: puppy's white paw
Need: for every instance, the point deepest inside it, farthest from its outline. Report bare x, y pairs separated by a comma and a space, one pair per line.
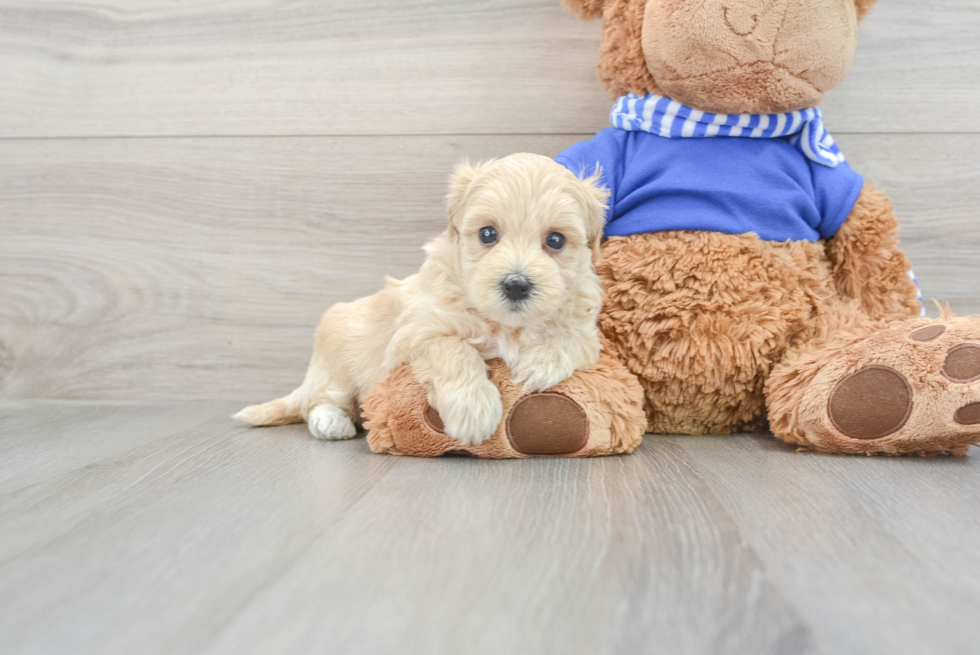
471, 413
540, 373
329, 422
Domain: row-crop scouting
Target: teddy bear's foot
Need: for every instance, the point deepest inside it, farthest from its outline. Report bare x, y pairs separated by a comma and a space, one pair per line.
546, 423
912, 388
595, 412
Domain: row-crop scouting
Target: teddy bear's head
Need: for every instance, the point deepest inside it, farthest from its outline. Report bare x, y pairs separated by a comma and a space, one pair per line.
727, 56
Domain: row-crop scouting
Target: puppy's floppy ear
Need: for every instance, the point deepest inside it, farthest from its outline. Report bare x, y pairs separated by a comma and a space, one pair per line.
459, 186
864, 7
595, 200
587, 9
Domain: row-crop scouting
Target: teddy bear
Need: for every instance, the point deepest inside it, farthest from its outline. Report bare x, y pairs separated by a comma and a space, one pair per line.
752, 278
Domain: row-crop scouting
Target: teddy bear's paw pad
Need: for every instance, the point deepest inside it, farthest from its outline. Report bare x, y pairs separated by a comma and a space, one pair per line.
547, 424
871, 403
968, 415
927, 334
433, 420
963, 363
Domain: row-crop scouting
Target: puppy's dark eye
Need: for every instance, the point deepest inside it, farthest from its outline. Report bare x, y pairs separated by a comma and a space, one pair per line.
555, 241
488, 235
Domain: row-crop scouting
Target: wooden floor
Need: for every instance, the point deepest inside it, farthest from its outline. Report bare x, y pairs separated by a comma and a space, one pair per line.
168, 528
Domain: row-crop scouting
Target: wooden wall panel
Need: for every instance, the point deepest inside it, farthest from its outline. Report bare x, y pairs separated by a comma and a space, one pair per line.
340, 67
147, 269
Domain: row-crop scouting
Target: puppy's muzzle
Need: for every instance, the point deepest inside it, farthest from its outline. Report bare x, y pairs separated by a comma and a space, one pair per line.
516, 288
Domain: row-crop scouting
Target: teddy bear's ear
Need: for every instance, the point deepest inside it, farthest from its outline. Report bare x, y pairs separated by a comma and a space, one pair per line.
587, 9
864, 7
459, 184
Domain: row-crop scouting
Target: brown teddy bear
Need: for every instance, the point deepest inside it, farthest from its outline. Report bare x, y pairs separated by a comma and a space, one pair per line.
750, 273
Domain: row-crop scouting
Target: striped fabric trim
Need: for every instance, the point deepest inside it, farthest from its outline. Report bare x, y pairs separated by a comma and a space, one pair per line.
922, 302
670, 119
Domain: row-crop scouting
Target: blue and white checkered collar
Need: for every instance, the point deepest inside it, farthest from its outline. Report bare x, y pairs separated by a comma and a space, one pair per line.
670, 119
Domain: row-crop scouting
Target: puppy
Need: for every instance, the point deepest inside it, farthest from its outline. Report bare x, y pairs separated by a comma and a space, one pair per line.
511, 277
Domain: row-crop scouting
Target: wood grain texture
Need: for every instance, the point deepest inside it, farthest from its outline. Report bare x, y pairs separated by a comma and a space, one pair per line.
204, 536
198, 268
836, 530
153, 269
257, 67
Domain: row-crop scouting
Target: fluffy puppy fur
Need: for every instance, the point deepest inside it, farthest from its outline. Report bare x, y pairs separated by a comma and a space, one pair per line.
494, 286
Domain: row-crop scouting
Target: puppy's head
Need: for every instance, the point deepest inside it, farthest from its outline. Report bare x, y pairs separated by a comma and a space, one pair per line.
527, 233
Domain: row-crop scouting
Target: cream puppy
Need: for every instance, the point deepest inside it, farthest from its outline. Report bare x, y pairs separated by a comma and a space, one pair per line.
511, 277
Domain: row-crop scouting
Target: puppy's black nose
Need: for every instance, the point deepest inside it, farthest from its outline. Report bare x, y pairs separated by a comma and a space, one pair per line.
516, 288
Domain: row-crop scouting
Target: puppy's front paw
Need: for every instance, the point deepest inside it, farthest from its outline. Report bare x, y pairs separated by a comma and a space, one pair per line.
471, 413
538, 373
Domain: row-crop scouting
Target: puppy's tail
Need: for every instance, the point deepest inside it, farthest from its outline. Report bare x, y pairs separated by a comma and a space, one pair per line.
281, 411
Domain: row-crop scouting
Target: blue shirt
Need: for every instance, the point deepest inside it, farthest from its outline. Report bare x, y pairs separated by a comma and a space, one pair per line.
733, 185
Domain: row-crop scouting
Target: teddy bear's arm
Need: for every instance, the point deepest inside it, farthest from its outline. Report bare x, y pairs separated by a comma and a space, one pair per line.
867, 262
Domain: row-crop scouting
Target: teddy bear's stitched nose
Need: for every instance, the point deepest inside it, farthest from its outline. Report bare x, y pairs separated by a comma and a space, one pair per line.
742, 17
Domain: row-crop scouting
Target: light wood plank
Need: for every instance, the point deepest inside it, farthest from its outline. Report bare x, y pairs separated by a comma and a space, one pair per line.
190, 268
221, 539
244, 505
254, 541
253, 67
857, 542
564, 556
934, 183
76, 435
